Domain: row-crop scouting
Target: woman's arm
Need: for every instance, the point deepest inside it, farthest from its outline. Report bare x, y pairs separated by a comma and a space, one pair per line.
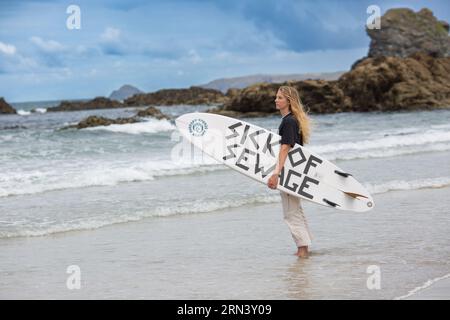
273, 180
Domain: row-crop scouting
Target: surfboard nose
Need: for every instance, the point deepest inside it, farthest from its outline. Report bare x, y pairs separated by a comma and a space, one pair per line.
183, 120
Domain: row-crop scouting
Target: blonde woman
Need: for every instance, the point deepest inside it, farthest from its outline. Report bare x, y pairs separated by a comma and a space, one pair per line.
294, 128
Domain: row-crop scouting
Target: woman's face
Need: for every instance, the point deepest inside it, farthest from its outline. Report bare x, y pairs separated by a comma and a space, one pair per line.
280, 101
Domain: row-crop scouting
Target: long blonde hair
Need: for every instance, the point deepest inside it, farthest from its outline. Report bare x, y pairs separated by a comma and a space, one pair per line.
296, 107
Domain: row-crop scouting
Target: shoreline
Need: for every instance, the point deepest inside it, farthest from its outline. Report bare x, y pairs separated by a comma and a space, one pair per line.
238, 253
435, 289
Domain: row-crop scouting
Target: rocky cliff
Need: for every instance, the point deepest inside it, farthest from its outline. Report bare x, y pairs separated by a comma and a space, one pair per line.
375, 84
404, 32
408, 68
392, 83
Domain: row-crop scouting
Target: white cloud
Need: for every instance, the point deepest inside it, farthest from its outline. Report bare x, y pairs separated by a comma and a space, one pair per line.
7, 49
12, 61
47, 46
111, 43
194, 56
16, 63
110, 34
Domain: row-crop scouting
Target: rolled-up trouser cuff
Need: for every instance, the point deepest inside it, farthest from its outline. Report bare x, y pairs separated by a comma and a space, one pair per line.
295, 219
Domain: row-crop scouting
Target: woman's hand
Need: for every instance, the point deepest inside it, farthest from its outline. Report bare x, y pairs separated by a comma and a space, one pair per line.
273, 181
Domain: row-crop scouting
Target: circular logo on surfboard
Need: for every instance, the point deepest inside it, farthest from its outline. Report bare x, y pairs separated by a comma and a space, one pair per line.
198, 127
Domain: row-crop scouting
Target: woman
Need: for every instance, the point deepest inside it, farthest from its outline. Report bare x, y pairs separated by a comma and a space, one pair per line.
294, 128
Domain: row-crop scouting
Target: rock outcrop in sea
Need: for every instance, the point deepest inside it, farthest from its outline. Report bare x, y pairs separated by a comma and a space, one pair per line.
6, 108
419, 81
96, 103
152, 112
165, 97
95, 121
404, 32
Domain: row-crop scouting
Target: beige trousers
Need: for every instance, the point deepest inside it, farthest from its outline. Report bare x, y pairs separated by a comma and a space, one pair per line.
295, 219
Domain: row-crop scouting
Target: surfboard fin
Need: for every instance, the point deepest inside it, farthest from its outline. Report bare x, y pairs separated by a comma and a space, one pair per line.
330, 203
354, 195
343, 174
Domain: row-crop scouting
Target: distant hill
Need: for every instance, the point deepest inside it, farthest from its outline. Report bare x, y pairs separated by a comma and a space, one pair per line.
124, 92
241, 82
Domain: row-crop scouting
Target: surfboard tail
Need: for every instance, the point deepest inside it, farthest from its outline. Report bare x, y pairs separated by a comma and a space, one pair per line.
366, 202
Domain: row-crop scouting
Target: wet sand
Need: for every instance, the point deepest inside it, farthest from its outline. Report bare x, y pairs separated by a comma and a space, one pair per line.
243, 253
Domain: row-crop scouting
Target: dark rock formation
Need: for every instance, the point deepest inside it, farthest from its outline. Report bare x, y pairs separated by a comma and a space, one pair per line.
256, 98
318, 96
404, 32
97, 103
168, 97
94, 121
375, 84
5, 107
13, 127
408, 68
152, 112
391, 83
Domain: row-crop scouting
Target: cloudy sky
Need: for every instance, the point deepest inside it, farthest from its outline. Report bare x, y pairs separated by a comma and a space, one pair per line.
175, 43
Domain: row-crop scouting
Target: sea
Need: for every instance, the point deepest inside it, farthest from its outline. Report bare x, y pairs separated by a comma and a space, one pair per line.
56, 181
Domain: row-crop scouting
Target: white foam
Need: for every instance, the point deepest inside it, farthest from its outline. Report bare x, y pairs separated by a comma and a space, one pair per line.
57, 176
399, 185
147, 126
193, 207
422, 287
441, 126
30, 183
197, 206
106, 174
415, 139
40, 110
23, 113
6, 137
387, 153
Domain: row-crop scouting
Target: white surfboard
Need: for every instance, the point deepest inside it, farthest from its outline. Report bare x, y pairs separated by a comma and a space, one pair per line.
253, 151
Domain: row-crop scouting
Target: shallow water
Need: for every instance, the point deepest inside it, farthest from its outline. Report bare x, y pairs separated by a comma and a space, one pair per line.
241, 253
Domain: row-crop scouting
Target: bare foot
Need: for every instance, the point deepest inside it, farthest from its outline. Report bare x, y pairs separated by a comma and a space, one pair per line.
302, 252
